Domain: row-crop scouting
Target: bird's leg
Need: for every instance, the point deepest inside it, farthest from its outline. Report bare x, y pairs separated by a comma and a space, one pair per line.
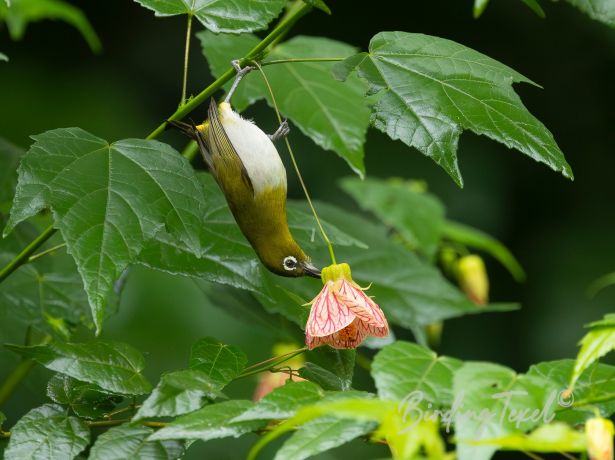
241, 72
281, 132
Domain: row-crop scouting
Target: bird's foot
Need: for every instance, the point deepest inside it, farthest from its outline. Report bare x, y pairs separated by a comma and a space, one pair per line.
241, 72
281, 132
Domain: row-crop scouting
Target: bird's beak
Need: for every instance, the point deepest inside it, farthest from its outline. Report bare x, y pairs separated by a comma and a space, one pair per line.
310, 270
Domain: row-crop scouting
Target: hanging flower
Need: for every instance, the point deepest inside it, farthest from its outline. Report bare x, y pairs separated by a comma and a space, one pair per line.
342, 315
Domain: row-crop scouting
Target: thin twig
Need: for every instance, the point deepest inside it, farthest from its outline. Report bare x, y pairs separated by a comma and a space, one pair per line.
298, 60
122, 410
45, 252
532, 455
568, 456
186, 58
270, 363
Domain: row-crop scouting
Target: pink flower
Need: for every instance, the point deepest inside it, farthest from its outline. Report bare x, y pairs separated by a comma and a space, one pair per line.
342, 315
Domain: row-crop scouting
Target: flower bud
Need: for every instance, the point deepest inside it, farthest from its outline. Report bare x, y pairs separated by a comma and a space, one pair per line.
472, 278
599, 432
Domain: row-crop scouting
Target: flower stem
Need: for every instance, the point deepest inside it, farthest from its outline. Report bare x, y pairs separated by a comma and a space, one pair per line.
255, 53
186, 57
296, 167
24, 255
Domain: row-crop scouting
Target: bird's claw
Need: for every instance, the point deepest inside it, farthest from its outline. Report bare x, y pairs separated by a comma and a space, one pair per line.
242, 71
281, 132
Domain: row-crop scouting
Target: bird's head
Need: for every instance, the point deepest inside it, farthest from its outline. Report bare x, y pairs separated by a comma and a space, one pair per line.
288, 259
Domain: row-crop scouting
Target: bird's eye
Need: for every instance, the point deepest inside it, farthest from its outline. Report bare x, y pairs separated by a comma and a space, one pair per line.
290, 263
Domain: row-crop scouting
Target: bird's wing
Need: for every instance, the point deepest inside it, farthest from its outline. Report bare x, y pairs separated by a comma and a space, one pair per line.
222, 150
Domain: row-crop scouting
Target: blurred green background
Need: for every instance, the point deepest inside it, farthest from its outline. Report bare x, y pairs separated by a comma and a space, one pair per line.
562, 232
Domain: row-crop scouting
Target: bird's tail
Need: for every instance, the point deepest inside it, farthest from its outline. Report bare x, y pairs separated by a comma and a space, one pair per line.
189, 129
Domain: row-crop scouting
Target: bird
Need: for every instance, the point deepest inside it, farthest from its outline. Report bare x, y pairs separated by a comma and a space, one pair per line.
248, 169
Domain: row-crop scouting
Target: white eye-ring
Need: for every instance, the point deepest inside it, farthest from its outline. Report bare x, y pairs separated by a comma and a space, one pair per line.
290, 263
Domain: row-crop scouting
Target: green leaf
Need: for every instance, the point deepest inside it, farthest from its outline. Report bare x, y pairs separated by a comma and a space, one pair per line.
21, 12
220, 362
243, 306
416, 215
211, 422
479, 7
47, 293
535, 7
321, 435
601, 283
556, 437
600, 10
474, 238
9, 159
497, 393
178, 393
108, 200
86, 400
113, 366
47, 433
333, 114
346, 405
283, 402
130, 442
595, 384
404, 368
4, 57
330, 368
597, 342
320, 4
231, 16
430, 89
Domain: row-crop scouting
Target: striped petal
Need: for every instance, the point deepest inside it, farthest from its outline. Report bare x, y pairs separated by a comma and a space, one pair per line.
349, 337
361, 305
328, 314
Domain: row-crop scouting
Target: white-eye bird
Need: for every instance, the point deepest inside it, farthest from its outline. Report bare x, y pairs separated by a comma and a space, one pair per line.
246, 164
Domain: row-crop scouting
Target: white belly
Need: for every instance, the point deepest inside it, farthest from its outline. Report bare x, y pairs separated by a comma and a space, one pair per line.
257, 152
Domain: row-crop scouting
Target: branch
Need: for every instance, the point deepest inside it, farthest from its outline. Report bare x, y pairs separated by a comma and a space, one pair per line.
24, 255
